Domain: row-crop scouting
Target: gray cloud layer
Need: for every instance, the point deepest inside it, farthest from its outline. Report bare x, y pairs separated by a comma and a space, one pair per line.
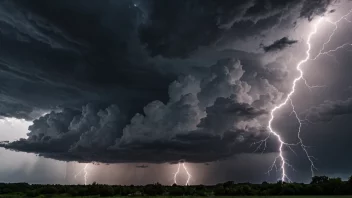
171, 31
328, 110
219, 110
114, 58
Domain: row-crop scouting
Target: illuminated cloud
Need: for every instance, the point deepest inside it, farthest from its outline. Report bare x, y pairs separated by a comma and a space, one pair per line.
128, 81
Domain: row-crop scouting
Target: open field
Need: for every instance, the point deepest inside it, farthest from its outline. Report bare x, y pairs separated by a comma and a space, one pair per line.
320, 185
63, 196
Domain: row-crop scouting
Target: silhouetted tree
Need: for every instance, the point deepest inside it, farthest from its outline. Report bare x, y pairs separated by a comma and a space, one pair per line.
106, 191
320, 185
319, 179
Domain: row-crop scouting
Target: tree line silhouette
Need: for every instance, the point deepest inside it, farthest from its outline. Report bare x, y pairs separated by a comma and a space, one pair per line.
320, 185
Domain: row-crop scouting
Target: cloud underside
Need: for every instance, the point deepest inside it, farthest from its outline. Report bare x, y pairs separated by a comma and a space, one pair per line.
204, 120
205, 149
213, 110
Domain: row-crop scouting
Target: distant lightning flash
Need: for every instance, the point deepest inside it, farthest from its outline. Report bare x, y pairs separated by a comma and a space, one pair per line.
283, 161
189, 176
85, 173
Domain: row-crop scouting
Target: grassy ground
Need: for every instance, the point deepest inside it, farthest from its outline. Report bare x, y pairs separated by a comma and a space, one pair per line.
61, 196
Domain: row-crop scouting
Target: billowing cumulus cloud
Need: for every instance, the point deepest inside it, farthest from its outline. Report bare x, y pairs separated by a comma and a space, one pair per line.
216, 109
110, 73
40, 47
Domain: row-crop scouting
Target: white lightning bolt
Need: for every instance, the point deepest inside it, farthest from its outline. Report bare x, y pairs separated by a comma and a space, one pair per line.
85, 175
335, 24
189, 176
283, 162
304, 147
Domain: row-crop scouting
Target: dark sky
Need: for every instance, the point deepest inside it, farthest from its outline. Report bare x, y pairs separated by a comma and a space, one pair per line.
120, 84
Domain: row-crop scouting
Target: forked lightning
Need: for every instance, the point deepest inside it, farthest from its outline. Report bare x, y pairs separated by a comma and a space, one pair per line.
189, 176
85, 173
282, 160
283, 163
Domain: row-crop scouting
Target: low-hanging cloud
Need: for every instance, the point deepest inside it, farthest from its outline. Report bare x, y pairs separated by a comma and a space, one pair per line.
111, 74
225, 119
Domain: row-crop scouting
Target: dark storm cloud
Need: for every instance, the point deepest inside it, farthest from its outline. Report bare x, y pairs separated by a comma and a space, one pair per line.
96, 55
178, 28
315, 7
328, 110
25, 27
192, 118
54, 58
41, 47
279, 44
225, 113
